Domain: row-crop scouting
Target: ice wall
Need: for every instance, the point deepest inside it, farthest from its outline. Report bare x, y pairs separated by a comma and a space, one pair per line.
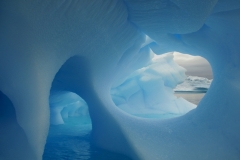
84, 46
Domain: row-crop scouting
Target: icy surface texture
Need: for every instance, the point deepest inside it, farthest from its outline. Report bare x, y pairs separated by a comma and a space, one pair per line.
86, 46
148, 92
194, 84
64, 104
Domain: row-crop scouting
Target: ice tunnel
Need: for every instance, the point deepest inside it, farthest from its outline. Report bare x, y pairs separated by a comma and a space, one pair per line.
64, 104
67, 86
86, 46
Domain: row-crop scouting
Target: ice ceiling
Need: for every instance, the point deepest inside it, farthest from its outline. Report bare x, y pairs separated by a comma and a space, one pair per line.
84, 46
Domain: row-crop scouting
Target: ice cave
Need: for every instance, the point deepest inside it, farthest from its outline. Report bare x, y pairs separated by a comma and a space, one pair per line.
102, 55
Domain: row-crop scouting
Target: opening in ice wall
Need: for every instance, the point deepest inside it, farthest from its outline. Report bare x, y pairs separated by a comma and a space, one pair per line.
69, 83
69, 133
69, 116
64, 104
148, 92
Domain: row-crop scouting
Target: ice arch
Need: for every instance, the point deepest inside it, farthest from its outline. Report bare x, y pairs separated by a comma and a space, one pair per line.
38, 37
71, 78
68, 85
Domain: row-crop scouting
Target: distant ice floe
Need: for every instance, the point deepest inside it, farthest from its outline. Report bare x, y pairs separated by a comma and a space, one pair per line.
194, 84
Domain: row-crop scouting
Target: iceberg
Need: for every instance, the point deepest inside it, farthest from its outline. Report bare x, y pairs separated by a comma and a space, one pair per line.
87, 47
148, 92
194, 84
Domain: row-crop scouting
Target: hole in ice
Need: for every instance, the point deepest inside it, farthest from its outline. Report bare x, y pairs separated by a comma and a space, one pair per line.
69, 135
65, 105
198, 77
149, 92
70, 127
71, 139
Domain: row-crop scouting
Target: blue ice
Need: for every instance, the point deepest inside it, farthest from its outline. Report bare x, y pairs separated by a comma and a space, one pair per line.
88, 47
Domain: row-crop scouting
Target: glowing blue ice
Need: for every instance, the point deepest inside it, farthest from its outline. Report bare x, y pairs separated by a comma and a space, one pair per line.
88, 46
64, 104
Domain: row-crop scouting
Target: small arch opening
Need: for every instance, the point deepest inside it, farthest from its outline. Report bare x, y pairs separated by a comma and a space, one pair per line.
65, 105
70, 129
69, 134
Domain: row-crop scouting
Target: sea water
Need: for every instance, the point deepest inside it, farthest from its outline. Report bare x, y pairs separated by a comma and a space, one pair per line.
71, 141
